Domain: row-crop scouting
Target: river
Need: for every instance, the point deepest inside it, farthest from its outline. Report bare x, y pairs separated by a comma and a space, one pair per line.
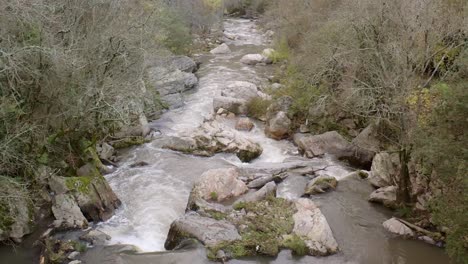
155, 195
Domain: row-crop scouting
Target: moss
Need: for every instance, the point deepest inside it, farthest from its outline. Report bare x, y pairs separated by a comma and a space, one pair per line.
257, 107
214, 196
296, 244
56, 251
6, 220
246, 156
362, 174
79, 246
266, 223
239, 206
129, 141
217, 215
80, 184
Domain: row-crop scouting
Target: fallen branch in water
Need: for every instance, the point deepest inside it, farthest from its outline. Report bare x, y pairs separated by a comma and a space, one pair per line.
433, 235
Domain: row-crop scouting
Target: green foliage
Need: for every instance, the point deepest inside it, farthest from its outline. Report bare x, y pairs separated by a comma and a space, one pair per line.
257, 107
176, 33
129, 142
79, 246
217, 215
282, 52
214, 196
80, 184
270, 220
440, 146
296, 244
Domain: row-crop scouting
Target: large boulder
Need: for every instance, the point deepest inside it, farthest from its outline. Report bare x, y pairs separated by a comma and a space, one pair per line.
279, 126
384, 169
219, 185
16, 211
267, 190
221, 49
253, 59
172, 79
368, 139
321, 184
209, 231
292, 187
385, 196
94, 196
67, 212
183, 63
241, 90
394, 226
214, 137
90, 191
278, 123
310, 224
330, 143
231, 104
317, 145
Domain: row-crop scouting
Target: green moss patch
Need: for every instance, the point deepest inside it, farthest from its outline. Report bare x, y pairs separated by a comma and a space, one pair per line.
128, 142
262, 229
80, 184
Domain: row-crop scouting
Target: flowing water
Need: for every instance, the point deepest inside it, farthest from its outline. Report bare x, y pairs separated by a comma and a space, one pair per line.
155, 195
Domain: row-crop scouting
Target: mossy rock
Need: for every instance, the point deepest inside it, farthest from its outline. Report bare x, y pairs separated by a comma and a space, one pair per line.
266, 223
129, 142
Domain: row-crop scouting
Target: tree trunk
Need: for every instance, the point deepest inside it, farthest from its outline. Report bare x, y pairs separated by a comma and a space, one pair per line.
404, 183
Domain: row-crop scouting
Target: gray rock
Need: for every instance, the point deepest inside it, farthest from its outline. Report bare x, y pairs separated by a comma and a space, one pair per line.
58, 185
221, 49
105, 151
385, 196
183, 144
317, 145
241, 90
394, 226
311, 225
384, 169
67, 211
233, 105
174, 82
216, 137
265, 191
321, 184
279, 126
73, 255
200, 205
261, 181
276, 86
20, 211
95, 237
244, 124
209, 231
183, 63
253, 59
368, 139
75, 262
219, 185
292, 187
96, 198
174, 101
331, 143
427, 240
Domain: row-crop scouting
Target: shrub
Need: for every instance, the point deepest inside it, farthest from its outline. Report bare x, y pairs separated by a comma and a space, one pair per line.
257, 107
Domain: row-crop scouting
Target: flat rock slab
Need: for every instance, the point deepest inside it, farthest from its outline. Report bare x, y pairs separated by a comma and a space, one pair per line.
292, 187
209, 231
394, 226
311, 225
